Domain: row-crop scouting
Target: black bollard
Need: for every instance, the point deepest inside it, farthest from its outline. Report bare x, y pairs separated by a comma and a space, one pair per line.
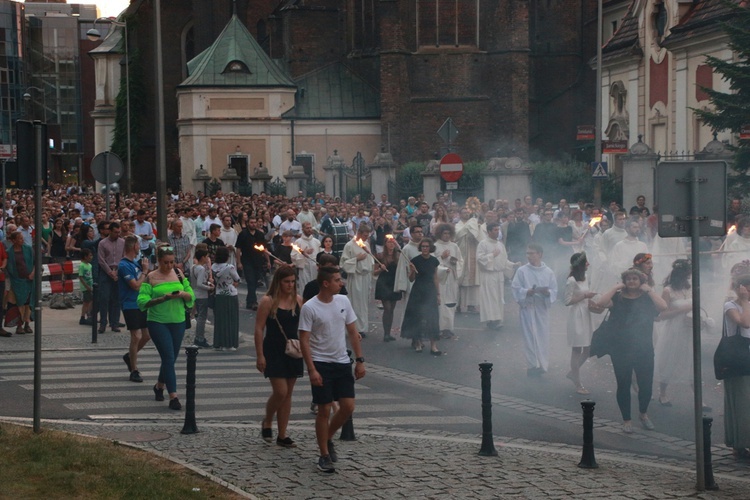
190, 427
488, 446
94, 311
347, 430
708, 471
587, 458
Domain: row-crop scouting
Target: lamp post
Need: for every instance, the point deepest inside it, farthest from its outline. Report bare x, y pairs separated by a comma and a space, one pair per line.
27, 98
94, 35
161, 169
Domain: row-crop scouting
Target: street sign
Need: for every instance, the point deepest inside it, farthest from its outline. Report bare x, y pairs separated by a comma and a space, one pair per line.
7, 152
107, 167
599, 170
451, 167
585, 133
609, 147
673, 195
448, 131
451, 185
745, 132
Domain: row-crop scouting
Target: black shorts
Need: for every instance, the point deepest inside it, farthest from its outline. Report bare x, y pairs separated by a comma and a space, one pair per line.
338, 382
135, 319
88, 296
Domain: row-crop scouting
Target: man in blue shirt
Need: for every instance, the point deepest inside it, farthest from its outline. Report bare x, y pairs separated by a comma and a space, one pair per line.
130, 275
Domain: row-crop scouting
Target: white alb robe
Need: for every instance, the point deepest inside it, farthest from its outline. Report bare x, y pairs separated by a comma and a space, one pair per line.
492, 270
359, 277
307, 267
534, 311
449, 286
468, 236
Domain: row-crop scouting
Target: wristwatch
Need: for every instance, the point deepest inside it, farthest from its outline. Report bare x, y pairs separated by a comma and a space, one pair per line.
360, 360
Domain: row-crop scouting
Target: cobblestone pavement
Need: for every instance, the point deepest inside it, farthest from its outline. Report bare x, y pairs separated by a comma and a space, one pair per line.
388, 462
384, 463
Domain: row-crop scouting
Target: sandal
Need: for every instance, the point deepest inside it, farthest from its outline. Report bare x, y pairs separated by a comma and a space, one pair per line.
665, 402
583, 390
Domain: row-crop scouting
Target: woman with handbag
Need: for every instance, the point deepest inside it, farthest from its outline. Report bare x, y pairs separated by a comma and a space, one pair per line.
633, 306
737, 389
278, 316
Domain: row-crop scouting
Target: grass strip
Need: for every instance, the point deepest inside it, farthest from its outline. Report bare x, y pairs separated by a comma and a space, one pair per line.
53, 464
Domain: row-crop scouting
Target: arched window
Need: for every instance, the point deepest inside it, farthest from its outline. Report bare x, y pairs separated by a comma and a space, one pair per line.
659, 21
187, 39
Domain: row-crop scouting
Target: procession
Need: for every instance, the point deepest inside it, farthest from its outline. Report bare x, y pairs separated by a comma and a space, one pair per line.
407, 258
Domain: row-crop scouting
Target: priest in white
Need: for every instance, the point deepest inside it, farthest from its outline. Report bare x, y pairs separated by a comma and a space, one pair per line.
358, 265
624, 250
468, 236
493, 267
304, 260
535, 289
229, 237
451, 266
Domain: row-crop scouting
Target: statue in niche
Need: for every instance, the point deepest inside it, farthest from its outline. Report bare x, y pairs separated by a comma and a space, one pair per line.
618, 125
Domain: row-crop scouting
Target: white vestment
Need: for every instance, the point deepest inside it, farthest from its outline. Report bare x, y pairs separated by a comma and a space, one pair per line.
468, 236
402, 283
308, 267
623, 253
449, 286
492, 270
534, 311
229, 237
359, 276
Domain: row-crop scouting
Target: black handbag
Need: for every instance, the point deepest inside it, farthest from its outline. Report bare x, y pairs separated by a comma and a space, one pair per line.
602, 340
732, 356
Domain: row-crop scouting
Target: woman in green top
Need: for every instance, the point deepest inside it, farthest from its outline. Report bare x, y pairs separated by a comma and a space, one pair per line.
164, 296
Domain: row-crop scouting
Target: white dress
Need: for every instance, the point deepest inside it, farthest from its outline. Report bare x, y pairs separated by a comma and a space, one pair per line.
673, 352
579, 318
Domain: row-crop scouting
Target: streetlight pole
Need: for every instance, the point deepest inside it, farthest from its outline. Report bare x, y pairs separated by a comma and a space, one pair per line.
161, 171
93, 35
598, 126
27, 98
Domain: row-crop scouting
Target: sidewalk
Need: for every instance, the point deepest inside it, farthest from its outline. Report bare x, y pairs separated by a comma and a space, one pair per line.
383, 462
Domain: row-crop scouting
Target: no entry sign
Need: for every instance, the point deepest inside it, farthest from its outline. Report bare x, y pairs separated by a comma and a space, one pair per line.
451, 167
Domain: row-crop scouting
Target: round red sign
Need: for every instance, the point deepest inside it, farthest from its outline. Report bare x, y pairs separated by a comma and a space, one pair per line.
451, 167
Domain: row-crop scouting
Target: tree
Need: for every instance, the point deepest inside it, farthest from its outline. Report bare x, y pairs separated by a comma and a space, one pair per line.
732, 110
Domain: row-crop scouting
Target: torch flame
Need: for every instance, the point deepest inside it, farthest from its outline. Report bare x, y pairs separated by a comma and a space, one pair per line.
294, 246
360, 242
732, 229
595, 220
388, 236
259, 248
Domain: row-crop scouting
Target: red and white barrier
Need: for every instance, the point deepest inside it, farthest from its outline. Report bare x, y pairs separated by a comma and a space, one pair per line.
68, 269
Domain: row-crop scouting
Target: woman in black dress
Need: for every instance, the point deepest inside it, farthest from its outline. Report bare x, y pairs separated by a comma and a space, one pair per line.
633, 307
386, 274
58, 239
278, 315
421, 320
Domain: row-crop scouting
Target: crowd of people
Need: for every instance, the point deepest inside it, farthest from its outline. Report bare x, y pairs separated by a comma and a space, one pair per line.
441, 257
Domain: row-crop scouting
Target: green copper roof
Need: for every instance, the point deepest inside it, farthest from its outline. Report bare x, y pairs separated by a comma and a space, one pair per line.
235, 60
332, 92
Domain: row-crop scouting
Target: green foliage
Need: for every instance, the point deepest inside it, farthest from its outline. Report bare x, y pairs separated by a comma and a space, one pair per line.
731, 109
553, 180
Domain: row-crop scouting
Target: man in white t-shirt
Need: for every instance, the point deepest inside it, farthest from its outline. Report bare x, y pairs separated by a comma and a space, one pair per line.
324, 322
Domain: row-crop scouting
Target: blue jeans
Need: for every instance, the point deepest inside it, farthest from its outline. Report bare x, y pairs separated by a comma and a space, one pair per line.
167, 337
201, 313
109, 301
